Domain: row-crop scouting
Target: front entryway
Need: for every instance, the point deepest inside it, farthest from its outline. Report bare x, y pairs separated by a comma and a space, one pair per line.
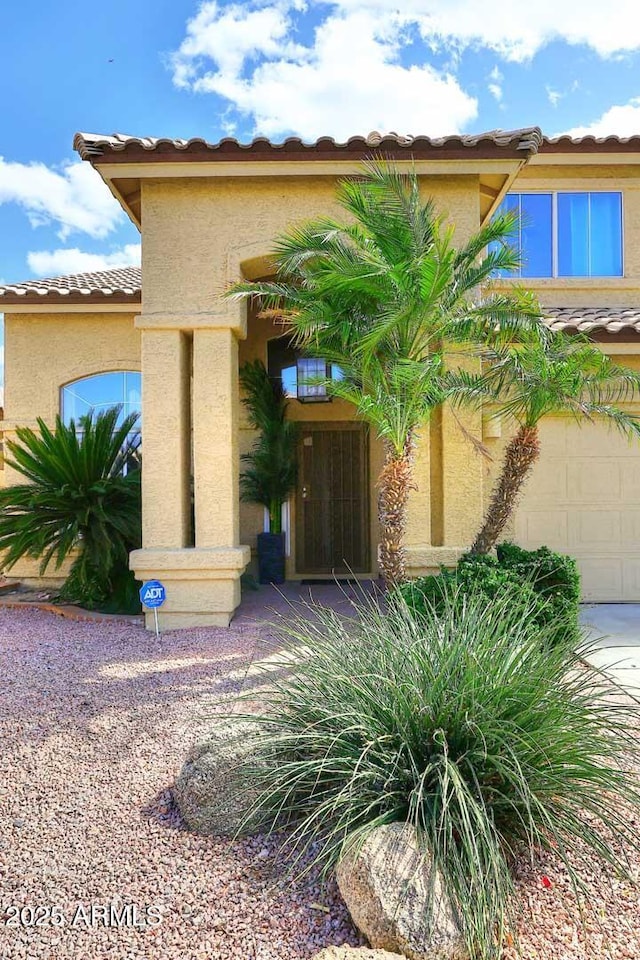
332, 499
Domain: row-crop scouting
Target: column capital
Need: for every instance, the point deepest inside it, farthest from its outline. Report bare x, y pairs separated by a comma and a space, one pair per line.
230, 316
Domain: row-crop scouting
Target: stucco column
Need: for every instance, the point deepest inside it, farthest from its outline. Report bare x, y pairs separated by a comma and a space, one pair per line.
462, 466
445, 508
190, 406
216, 403
166, 375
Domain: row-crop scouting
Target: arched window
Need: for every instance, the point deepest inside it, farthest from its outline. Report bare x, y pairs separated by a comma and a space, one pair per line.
102, 391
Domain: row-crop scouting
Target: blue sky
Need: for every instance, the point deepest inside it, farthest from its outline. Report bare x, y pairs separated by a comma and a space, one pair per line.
182, 68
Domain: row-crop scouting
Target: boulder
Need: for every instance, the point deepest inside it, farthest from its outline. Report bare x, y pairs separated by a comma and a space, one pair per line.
354, 953
212, 790
395, 901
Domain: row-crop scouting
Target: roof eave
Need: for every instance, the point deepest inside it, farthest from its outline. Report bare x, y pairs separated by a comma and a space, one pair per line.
32, 298
99, 149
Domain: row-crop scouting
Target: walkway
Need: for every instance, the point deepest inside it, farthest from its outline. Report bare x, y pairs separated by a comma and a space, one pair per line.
615, 628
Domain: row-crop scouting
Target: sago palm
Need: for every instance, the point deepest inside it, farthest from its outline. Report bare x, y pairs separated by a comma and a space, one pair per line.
538, 376
77, 496
377, 295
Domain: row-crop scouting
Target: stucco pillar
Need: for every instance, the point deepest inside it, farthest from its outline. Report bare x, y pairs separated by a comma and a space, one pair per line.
445, 509
215, 437
190, 439
166, 375
462, 465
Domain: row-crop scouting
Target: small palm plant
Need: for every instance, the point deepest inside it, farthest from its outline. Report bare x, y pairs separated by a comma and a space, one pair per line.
271, 467
80, 496
542, 374
377, 296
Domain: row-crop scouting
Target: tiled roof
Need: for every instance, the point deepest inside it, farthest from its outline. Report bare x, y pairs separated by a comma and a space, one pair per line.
123, 285
92, 146
528, 140
119, 285
610, 144
593, 319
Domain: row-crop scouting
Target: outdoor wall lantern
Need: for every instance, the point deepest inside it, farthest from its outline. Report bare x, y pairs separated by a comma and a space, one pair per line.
309, 369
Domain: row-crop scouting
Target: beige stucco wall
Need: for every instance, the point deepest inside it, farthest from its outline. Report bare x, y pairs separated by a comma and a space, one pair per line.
45, 351
199, 236
202, 235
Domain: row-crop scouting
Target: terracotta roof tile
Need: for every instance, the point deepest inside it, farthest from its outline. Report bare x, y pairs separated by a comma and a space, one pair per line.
593, 319
122, 284
609, 144
92, 146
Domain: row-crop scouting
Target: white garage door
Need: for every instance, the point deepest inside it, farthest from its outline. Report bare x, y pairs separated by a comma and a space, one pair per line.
583, 498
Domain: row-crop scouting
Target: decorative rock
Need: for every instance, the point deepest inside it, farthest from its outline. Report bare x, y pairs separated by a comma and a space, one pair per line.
386, 886
354, 953
211, 790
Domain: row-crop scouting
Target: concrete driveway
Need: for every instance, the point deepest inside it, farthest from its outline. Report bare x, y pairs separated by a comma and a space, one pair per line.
616, 629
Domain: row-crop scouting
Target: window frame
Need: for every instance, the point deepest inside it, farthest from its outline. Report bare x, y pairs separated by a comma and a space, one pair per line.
554, 235
134, 437
93, 376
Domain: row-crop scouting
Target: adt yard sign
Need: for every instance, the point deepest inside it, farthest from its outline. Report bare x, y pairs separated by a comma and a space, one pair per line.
152, 596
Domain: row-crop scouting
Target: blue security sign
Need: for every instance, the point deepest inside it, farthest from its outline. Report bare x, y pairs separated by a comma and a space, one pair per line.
152, 594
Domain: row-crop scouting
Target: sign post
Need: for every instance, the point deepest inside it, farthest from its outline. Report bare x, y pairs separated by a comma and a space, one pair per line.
152, 596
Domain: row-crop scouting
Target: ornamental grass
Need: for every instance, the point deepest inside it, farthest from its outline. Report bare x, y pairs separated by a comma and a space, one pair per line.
468, 723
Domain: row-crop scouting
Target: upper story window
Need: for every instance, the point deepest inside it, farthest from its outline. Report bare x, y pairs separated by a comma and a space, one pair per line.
567, 234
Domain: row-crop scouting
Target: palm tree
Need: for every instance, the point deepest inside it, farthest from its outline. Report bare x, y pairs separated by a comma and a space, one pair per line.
545, 373
272, 466
80, 495
377, 296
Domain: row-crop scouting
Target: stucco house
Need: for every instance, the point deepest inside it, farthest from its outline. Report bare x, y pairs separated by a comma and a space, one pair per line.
164, 341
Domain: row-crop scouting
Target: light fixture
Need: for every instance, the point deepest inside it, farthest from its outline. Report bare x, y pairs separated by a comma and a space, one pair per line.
309, 371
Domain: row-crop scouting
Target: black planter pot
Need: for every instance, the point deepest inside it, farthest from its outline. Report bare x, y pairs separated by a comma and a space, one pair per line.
271, 557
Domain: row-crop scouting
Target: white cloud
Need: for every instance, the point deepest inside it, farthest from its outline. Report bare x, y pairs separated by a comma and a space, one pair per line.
623, 121
349, 81
554, 96
495, 87
518, 30
349, 78
230, 34
73, 197
47, 263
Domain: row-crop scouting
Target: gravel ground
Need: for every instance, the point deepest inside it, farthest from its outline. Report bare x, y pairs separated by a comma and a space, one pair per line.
95, 720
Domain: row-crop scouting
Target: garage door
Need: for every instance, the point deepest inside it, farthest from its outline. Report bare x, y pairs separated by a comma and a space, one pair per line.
583, 498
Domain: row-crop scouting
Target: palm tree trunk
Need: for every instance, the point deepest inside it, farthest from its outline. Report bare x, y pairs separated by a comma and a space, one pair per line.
394, 485
521, 454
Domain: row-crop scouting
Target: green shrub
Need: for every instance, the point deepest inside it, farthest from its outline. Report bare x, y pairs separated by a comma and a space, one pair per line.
464, 724
549, 582
554, 577
81, 498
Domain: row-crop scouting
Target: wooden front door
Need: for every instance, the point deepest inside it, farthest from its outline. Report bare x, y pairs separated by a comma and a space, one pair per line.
332, 501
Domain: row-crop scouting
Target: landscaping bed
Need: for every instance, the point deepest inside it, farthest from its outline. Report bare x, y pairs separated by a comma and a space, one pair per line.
95, 721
